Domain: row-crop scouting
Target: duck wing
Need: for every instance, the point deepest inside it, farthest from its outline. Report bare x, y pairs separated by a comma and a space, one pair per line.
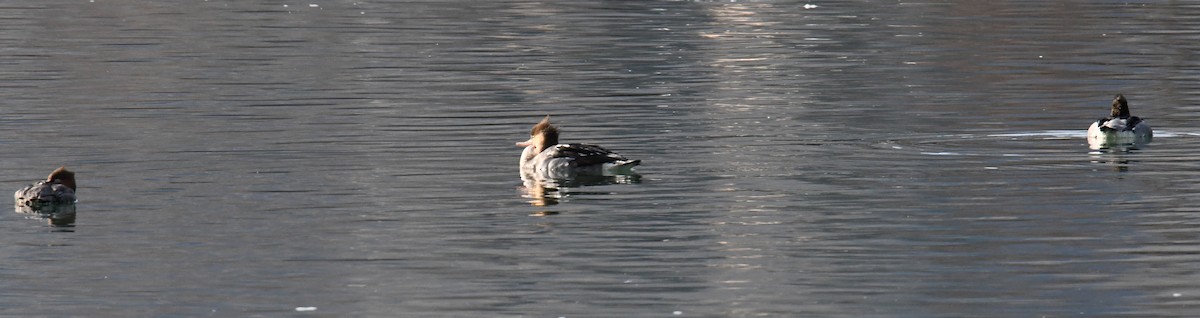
1134, 121
44, 192
1109, 125
584, 154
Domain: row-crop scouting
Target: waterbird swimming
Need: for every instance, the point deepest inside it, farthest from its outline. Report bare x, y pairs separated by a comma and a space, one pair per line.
1120, 127
57, 189
545, 158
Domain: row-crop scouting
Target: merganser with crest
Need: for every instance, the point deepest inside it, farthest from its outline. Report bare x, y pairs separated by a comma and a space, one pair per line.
57, 189
545, 158
1119, 127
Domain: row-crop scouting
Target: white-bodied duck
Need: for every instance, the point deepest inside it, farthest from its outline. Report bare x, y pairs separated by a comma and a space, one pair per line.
544, 158
57, 189
1120, 127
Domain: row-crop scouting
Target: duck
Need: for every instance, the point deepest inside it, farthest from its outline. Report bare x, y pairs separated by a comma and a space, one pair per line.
546, 159
58, 189
1119, 127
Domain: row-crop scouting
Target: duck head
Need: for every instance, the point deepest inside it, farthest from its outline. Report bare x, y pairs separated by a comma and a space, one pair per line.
63, 176
542, 136
1120, 107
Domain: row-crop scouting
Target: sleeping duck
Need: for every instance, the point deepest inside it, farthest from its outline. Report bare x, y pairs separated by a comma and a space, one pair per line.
57, 190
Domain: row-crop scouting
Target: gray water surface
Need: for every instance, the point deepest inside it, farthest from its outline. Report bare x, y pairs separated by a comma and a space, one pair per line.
800, 159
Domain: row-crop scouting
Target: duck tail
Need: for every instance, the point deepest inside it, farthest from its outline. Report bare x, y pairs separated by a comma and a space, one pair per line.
621, 167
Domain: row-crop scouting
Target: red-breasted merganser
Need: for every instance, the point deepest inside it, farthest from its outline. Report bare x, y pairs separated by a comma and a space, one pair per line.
57, 189
1120, 127
545, 158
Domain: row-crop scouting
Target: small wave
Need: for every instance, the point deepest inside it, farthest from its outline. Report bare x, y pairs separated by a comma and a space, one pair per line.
1047, 134
1171, 134
1083, 134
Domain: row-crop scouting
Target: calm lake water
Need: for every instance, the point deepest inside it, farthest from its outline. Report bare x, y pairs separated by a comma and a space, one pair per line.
800, 158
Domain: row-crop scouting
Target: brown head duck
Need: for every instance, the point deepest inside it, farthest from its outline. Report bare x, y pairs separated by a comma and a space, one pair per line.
57, 189
1120, 127
545, 158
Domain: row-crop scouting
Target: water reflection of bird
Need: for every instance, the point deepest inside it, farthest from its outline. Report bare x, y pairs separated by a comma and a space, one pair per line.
546, 159
57, 189
540, 194
1119, 128
551, 192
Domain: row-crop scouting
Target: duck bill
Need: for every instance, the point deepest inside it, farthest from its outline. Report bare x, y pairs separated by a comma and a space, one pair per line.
526, 143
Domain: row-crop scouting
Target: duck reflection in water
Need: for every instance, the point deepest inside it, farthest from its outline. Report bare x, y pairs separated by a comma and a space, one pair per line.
53, 198
550, 192
549, 168
1117, 164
